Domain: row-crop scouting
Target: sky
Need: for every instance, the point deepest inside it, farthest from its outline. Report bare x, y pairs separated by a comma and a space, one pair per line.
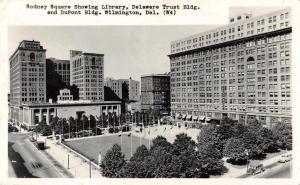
129, 51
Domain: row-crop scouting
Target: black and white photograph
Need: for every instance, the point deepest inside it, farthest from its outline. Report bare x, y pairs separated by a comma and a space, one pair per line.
152, 101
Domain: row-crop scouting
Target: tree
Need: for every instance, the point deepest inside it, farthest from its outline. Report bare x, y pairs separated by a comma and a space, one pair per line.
268, 140
85, 122
72, 124
235, 150
225, 130
283, 134
210, 159
113, 162
254, 126
136, 165
161, 141
182, 143
252, 143
209, 135
93, 123
46, 130
238, 129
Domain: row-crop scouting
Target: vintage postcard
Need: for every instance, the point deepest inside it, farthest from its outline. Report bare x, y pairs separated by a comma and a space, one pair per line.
129, 92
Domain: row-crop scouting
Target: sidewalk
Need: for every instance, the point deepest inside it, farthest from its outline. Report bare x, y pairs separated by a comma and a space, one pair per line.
235, 171
77, 167
168, 131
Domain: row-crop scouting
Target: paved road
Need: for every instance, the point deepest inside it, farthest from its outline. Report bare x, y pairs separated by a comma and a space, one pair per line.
27, 161
282, 171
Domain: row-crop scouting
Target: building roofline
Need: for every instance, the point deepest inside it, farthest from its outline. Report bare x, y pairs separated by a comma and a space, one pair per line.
58, 60
19, 48
96, 54
149, 75
244, 39
230, 24
69, 104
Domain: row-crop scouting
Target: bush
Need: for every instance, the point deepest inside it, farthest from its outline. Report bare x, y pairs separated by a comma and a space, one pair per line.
235, 150
125, 128
111, 130
113, 162
46, 131
98, 131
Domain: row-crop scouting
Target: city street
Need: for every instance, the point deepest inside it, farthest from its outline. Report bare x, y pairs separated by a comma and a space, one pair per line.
280, 171
26, 161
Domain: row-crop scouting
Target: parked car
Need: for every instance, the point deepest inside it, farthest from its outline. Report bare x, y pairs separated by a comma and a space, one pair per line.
32, 139
255, 168
40, 145
285, 158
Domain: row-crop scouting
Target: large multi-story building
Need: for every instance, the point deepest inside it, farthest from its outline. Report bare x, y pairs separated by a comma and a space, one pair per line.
27, 99
124, 88
155, 93
86, 72
27, 77
241, 70
62, 67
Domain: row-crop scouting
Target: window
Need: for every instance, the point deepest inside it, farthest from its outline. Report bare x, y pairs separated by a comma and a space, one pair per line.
32, 57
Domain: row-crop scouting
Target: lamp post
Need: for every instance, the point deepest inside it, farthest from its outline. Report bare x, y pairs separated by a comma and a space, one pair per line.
68, 161
90, 126
76, 129
247, 158
69, 123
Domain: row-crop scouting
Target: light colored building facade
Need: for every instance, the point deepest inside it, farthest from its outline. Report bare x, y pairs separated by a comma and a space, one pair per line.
34, 113
27, 77
134, 107
241, 70
86, 72
62, 67
116, 86
155, 93
64, 95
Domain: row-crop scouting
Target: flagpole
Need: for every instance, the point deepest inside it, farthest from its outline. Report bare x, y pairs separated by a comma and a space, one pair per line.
131, 144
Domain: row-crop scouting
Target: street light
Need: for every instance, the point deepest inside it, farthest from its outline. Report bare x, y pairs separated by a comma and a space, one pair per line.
247, 158
69, 123
90, 126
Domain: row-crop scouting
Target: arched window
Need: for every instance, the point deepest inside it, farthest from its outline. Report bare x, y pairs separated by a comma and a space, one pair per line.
32, 57
250, 59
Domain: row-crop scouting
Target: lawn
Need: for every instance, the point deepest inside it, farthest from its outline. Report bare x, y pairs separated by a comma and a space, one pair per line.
90, 147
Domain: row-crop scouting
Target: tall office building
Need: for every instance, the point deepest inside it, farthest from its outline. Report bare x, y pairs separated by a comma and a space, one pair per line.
27, 76
62, 67
241, 70
124, 88
155, 93
86, 72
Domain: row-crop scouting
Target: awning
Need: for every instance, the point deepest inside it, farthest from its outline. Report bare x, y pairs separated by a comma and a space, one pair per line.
189, 117
201, 118
208, 119
183, 116
195, 117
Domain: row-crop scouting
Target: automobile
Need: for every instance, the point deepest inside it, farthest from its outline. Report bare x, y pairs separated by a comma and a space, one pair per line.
254, 169
285, 158
31, 139
40, 145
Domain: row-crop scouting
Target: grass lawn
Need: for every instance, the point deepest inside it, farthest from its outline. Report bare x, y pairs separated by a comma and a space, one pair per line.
90, 147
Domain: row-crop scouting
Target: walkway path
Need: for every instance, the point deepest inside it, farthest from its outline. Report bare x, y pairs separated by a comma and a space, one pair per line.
77, 167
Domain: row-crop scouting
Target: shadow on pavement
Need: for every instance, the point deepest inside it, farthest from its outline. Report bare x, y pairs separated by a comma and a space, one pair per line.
18, 166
